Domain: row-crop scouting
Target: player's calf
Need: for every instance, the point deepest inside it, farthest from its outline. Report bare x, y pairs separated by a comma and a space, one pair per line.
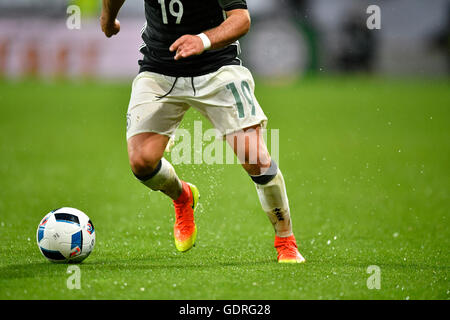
271, 191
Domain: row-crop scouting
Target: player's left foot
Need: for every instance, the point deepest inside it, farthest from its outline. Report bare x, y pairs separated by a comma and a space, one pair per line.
185, 230
287, 250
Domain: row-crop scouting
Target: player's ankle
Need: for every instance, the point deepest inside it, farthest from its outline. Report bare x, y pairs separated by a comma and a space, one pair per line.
184, 195
284, 235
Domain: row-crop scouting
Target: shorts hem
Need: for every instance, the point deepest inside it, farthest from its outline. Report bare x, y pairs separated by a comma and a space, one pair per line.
149, 131
262, 122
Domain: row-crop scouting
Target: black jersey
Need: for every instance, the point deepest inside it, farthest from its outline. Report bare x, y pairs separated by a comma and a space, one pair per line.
167, 20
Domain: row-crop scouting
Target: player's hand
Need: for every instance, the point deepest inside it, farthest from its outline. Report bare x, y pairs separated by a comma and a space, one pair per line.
109, 28
186, 46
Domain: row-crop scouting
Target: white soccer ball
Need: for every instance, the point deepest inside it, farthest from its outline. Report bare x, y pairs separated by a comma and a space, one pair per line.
66, 235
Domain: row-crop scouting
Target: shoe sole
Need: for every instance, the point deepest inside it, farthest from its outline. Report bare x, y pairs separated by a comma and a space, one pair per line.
292, 261
299, 259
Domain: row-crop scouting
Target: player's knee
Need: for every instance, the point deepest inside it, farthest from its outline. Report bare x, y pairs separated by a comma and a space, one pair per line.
256, 164
255, 169
144, 163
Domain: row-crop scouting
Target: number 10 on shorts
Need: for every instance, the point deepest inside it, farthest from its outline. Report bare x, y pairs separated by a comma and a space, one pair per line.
247, 93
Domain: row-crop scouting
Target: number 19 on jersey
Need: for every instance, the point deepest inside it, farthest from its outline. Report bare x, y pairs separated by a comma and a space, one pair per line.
172, 5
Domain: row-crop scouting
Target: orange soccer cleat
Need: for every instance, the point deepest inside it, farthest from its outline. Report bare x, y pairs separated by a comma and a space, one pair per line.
185, 230
287, 250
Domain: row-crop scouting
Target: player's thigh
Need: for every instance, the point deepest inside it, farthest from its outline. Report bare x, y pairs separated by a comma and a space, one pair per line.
230, 103
149, 128
147, 112
150, 121
158, 117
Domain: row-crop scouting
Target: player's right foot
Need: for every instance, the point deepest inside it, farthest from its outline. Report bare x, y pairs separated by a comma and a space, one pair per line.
185, 230
287, 250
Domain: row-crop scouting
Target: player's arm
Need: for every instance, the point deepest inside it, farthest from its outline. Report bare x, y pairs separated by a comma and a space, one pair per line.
234, 27
110, 9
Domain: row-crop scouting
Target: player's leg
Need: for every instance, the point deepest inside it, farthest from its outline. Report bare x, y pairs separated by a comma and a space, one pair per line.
145, 152
251, 150
150, 123
237, 115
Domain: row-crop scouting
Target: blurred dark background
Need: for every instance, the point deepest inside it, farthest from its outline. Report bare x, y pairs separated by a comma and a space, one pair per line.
289, 38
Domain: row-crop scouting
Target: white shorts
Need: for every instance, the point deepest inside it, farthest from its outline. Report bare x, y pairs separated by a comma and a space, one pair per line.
225, 97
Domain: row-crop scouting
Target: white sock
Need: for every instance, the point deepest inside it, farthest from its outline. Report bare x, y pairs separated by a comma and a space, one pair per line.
274, 202
165, 179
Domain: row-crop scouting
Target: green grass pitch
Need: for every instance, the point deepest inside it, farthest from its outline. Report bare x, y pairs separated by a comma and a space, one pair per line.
366, 163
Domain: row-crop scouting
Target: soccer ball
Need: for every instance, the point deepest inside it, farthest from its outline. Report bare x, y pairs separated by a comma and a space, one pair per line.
66, 235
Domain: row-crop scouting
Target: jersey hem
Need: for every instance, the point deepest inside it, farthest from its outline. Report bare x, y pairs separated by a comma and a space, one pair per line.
179, 73
236, 6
